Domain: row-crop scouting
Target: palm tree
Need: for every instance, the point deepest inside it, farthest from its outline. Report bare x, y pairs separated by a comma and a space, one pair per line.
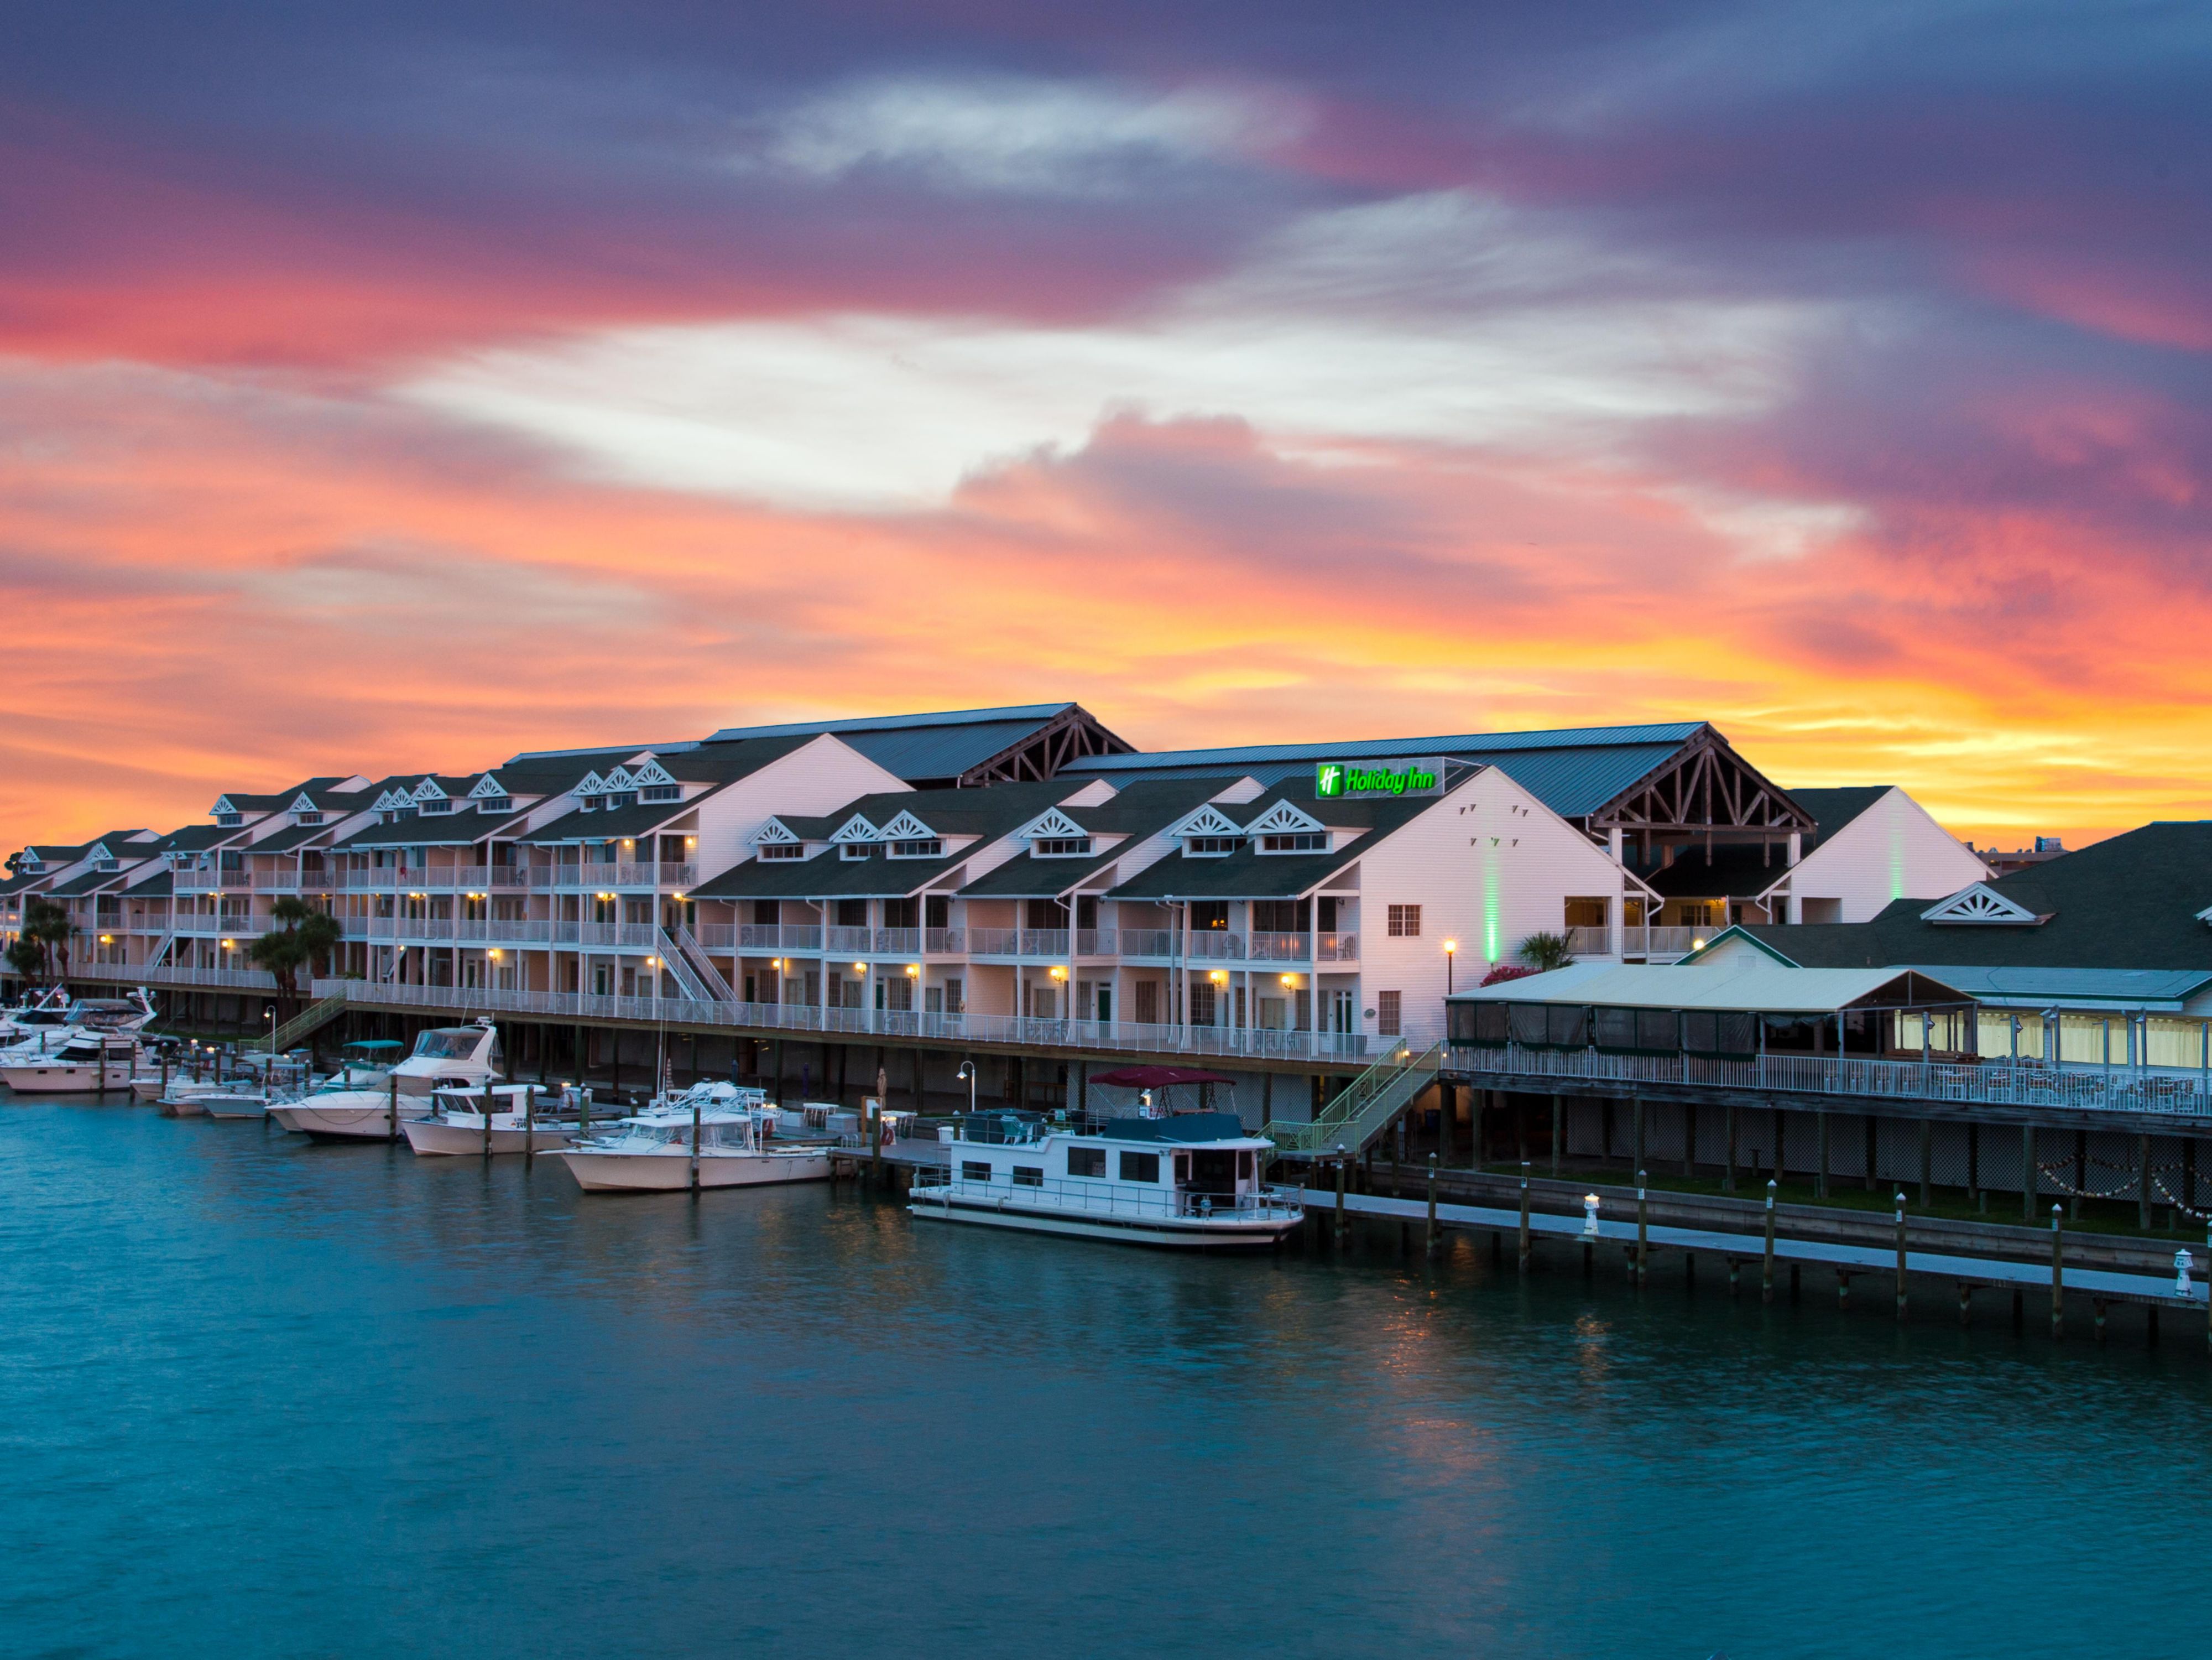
1545, 951
43, 941
307, 937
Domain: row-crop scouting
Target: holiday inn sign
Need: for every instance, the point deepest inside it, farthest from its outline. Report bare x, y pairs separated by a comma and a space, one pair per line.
1339, 779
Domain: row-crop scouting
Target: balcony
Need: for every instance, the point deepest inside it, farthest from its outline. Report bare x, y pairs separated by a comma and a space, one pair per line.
945, 942
1336, 947
1127, 1037
1215, 945
1097, 942
1280, 947
762, 936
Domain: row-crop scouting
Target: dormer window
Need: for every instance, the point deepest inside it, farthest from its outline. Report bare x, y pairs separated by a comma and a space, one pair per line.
229, 820
783, 850
1296, 842
622, 799
852, 851
109, 865
1060, 847
307, 819
495, 804
590, 804
440, 804
920, 847
1212, 847
661, 793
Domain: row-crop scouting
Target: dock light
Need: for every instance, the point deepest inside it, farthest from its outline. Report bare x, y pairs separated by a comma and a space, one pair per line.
914, 970
1451, 956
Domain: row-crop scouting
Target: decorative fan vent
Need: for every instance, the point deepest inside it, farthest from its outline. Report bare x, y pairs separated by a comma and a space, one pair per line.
1983, 906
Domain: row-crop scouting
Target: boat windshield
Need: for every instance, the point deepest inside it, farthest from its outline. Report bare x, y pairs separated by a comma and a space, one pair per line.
448, 1043
356, 1075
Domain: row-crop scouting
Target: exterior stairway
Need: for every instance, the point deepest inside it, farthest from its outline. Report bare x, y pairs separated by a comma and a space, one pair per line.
312, 1019
1364, 1110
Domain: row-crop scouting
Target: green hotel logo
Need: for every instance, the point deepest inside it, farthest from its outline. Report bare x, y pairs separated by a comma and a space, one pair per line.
1334, 778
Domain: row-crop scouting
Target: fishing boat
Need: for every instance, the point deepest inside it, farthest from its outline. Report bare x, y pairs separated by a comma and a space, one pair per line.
82, 1065
369, 1097
711, 1135
522, 1120
1191, 1180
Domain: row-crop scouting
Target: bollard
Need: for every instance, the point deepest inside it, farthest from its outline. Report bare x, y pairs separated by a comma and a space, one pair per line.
1766, 1273
1433, 1241
2058, 1271
1343, 1165
1642, 1234
1900, 1257
1524, 1216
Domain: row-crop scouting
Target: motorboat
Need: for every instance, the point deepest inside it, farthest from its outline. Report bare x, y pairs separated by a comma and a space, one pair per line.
1190, 1181
81, 1065
43, 1029
369, 1097
711, 1135
523, 1119
38, 1011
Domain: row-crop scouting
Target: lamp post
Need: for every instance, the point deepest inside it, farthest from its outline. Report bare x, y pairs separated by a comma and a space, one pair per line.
1451, 956
968, 1072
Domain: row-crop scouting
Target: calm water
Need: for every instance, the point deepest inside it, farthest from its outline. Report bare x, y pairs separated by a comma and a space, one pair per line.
263, 1398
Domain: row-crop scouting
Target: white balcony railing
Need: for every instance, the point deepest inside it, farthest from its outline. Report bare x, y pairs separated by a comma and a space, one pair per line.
1280, 947
1111, 1037
1148, 942
1336, 947
1215, 945
1097, 942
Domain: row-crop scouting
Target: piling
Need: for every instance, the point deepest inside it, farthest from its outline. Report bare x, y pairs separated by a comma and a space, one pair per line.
1900, 1257
1434, 1240
2057, 1271
1559, 1130
529, 1124
1524, 1216
489, 1102
1820, 1181
875, 1136
2028, 1173
392, 1104
1965, 1304
1766, 1271
694, 1147
2143, 1192
1343, 1165
1643, 1233
2098, 1324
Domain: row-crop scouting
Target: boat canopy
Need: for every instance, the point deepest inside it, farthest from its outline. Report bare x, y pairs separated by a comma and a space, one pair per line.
1155, 1078
1184, 1126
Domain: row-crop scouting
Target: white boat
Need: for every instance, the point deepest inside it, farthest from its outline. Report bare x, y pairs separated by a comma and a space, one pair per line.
455, 1124
360, 1100
1191, 1180
42, 1030
711, 1135
81, 1066
38, 1011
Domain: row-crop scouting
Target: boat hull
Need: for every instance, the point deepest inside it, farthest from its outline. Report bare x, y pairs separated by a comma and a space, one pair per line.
233, 1106
1171, 1232
67, 1080
670, 1172
368, 1117
432, 1139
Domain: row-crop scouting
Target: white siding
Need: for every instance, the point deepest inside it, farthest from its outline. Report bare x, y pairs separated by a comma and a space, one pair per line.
1489, 864
814, 779
1894, 850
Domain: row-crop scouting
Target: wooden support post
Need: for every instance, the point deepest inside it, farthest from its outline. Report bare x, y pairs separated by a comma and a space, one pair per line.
529, 1124
778, 1045
2028, 1173
1735, 1271
1973, 1164
1559, 1130
1842, 1288
1965, 1304
1873, 1151
1524, 1217
1796, 1268
1820, 1180
1766, 1273
1636, 1119
1434, 1240
1343, 1168
2098, 1303
1727, 1172
391, 1085
2142, 1189
695, 1149
1900, 1253
1690, 1140
490, 1101
2057, 1271
1642, 1230
1927, 1160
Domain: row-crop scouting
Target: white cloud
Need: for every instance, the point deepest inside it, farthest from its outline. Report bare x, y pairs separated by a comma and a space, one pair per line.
1436, 319
1022, 136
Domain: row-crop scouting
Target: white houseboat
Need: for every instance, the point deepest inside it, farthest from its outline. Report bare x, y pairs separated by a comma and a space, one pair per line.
1192, 1181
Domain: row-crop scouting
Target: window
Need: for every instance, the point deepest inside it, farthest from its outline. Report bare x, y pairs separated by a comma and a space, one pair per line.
1299, 841
495, 804
661, 793
1086, 1161
439, 806
590, 804
1405, 922
1029, 1176
1060, 847
783, 850
307, 819
1140, 1167
936, 910
1279, 916
1387, 1020
230, 820
971, 1170
1212, 847
930, 847
852, 913
1586, 912
1210, 916
853, 851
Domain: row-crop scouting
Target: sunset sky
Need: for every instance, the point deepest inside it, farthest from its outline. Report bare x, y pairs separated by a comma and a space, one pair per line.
401, 385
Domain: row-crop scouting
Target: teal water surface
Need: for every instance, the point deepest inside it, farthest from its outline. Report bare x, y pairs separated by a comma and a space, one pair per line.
259, 1397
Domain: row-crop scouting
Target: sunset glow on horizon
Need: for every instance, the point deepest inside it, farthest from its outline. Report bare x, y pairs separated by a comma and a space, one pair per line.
397, 392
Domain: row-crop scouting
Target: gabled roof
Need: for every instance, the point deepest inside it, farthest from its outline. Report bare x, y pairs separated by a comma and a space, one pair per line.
1246, 874
947, 745
1833, 809
1759, 987
2131, 901
85, 882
